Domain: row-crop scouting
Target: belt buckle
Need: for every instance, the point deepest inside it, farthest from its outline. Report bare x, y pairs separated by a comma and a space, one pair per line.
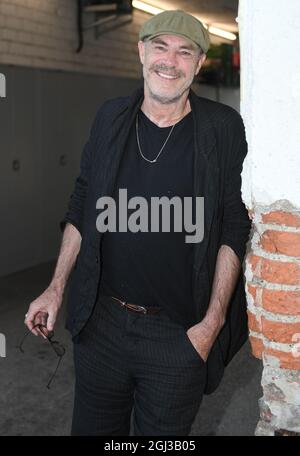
135, 306
131, 306
123, 303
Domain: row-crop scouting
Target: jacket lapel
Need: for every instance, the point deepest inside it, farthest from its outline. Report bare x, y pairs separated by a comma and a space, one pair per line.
117, 137
206, 175
107, 170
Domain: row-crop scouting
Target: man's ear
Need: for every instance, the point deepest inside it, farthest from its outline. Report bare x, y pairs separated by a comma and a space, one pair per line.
141, 47
201, 60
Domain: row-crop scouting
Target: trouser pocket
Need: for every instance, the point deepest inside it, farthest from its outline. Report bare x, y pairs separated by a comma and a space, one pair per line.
192, 349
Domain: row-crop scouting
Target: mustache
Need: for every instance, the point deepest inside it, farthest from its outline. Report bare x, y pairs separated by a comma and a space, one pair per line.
165, 69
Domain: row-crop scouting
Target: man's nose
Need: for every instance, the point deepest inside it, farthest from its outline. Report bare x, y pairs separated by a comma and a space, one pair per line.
171, 59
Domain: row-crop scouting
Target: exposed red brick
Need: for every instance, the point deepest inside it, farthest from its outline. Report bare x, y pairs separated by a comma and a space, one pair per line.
281, 332
280, 272
255, 263
281, 242
252, 290
281, 218
272, 271
287, 359
256, 293
254, 323
257, 346
282, 302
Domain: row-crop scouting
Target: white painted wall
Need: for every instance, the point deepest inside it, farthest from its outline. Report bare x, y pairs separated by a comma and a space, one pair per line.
270, 100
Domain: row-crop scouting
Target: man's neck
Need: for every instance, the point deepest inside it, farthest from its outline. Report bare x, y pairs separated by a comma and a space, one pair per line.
165, 115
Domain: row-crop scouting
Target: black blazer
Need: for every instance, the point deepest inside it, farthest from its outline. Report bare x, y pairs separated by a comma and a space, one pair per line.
220, 149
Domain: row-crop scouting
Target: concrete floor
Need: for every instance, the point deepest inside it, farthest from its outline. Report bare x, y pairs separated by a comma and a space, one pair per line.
27, 407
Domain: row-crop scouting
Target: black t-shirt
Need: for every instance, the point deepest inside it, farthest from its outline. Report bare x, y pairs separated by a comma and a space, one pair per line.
153, 268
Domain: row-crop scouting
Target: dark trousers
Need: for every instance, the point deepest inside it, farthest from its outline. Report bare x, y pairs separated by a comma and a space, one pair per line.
128, 361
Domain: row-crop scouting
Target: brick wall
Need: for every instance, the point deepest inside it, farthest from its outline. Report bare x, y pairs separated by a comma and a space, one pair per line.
273, 288
43, 34
273, 273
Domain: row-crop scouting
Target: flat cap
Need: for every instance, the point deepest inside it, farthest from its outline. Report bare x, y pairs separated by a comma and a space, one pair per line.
176, 22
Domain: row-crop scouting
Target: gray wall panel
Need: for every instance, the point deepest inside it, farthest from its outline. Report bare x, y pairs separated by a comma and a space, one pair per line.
45, 115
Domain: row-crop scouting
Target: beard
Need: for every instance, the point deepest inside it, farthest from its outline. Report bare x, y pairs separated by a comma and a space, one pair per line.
158, 95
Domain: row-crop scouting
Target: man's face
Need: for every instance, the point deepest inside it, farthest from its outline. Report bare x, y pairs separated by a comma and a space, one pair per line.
170, 63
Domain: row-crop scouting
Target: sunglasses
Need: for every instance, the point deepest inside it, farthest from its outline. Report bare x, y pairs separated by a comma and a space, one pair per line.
56, 346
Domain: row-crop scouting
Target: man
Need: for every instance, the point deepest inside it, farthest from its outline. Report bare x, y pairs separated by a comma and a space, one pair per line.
154, 319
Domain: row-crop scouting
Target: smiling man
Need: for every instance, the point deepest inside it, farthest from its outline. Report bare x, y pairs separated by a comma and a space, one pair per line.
170, 63
154, 319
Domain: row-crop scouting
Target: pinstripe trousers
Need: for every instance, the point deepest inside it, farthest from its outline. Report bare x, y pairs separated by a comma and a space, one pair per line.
130, 362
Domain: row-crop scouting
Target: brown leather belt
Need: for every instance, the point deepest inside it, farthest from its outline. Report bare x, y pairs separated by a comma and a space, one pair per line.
136, 308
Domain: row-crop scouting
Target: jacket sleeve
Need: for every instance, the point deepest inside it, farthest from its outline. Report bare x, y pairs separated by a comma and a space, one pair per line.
236, 224
74, 213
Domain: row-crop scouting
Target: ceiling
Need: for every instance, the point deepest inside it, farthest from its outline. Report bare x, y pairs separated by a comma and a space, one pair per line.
220, 13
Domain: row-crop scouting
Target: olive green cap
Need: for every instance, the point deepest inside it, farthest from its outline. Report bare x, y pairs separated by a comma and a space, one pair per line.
176, 22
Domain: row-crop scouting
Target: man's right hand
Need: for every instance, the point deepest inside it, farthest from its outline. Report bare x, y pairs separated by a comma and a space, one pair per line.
44, 310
